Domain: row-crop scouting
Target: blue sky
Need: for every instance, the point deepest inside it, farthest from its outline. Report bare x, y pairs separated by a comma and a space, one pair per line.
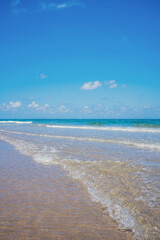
80, 59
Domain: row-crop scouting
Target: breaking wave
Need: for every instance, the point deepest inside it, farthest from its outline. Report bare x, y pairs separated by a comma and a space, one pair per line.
150, 146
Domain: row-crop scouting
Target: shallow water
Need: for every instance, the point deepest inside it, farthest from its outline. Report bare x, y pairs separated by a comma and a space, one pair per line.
41, 202
118, 161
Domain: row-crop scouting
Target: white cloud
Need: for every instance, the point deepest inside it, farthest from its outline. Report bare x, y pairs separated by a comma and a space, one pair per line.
62, 5
113, 85
96, 84
36, 106
11, 105
109, 82
112, 81
147, 107
85, 107
46, 105
33, 105
91, 85
63, 109
14, 104
43, 76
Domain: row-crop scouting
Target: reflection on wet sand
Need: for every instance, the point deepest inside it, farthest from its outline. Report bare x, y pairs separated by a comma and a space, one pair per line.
40, 202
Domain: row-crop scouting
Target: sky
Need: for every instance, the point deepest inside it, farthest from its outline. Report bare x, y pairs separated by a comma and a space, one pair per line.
79, 59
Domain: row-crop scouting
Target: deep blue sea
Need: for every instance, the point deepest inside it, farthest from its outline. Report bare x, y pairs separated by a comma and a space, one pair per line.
118, 160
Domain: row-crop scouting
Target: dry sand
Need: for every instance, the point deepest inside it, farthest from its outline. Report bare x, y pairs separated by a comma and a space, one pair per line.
42, 203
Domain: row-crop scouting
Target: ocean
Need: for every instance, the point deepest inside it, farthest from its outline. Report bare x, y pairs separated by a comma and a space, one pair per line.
118, 161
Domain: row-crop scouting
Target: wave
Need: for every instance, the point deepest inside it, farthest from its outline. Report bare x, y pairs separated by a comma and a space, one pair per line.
94, 176
150, 146
123, 129
148, 128
17, 122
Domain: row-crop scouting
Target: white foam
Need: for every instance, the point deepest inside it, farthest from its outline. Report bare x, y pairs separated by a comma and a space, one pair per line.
17, 122
150, 146
123, 129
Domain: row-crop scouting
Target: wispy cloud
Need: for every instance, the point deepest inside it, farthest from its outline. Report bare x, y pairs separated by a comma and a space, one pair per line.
62, 5
147, 107
14, 3
20, 6
91, 85
36, 106
16, 8
113, 85
86, 109
109, 82
41, 76
63, 109
56, 5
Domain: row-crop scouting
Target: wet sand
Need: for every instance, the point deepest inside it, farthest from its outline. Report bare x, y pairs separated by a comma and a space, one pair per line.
43, 203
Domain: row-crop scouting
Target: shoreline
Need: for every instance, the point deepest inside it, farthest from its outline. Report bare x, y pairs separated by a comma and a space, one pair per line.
40, 202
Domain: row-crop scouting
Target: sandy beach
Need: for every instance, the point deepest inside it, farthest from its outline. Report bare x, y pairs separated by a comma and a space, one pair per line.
40, 202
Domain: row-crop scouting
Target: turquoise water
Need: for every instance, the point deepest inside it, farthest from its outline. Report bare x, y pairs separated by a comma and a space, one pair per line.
96, 122
117, 160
